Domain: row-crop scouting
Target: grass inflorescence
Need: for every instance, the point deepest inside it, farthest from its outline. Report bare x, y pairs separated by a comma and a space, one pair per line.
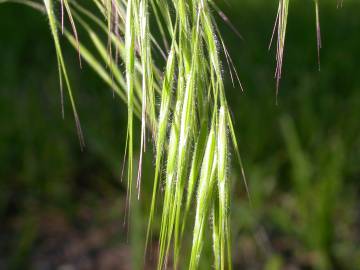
191, 127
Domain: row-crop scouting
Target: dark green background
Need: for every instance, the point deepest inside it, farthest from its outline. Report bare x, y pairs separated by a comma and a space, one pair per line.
60, 207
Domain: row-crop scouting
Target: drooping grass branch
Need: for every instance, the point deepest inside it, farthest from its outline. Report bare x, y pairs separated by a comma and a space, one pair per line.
192, 115
280, 29
190, 125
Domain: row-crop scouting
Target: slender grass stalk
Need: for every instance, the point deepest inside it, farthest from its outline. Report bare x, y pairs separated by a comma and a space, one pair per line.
62, 68
280, 27
30, 3
318, 30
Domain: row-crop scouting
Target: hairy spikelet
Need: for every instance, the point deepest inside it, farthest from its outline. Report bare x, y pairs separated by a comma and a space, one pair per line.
204, 199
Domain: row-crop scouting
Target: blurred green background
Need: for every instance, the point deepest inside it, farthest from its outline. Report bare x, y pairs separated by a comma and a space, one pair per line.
61, 208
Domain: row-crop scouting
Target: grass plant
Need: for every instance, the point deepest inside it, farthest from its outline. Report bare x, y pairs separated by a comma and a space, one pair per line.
190, 127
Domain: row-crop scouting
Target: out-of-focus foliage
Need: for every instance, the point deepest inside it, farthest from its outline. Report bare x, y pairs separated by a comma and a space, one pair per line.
301, 157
